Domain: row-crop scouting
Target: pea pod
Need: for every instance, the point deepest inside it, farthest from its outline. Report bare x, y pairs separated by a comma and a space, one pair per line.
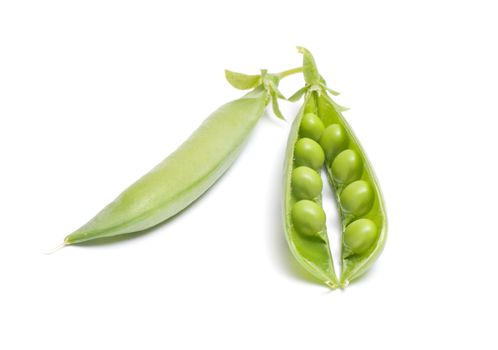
189, 171
362, 210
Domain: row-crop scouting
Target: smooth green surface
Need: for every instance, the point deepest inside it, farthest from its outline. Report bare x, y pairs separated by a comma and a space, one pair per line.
306, 183
360, 235
347, 167
313, 253
311, 127
308, 217
333, 140
309, 153
357, 198
194, 167
183, 176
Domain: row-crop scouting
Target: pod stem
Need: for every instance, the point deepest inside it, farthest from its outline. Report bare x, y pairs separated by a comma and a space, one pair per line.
288, 72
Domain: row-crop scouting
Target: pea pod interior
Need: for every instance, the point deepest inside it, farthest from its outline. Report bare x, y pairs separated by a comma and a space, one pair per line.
350, 174
312, 251
366, 224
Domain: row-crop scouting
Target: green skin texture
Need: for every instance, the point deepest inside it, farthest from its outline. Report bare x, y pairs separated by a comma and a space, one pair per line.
183, 176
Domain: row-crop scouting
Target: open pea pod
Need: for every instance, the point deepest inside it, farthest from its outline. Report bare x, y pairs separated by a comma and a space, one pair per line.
190, 170
349, 172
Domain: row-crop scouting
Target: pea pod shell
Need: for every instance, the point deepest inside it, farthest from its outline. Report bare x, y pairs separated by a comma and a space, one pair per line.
353, 268
313, 255
183, 176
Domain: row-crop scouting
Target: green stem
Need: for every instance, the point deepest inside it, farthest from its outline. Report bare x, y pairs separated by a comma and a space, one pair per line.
286, 73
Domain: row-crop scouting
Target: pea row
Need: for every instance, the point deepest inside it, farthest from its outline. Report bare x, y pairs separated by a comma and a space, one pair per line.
308, 216
317, 144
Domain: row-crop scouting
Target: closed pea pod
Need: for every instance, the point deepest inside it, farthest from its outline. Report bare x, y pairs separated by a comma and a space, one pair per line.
189, 171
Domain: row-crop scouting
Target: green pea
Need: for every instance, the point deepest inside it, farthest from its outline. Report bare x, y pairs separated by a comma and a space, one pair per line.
308, 217
360, 235
333, 140
357, 198
347, 167
306, 183
309, 153
311, 126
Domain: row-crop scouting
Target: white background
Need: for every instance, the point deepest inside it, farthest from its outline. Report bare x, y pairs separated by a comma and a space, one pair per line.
95, 93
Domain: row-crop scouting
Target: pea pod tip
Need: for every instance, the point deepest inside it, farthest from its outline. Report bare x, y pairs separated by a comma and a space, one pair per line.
55, 249
344, 284
332, 285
